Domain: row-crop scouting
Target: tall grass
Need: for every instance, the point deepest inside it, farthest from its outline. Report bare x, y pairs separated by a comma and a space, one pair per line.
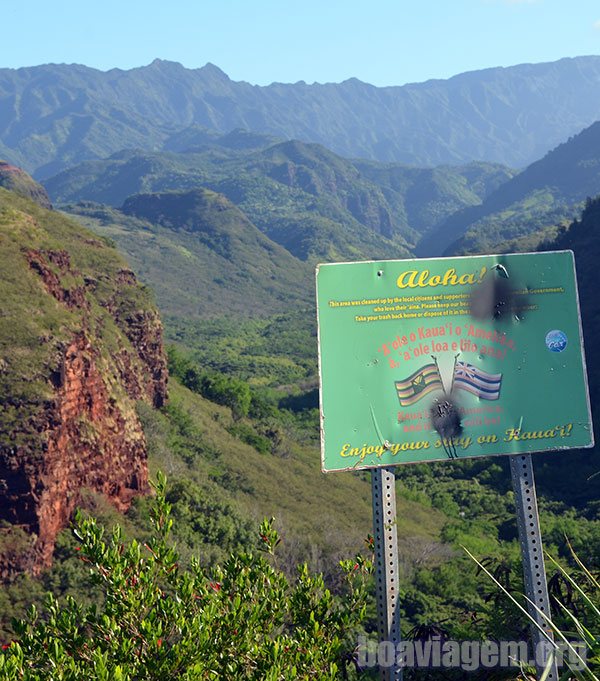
581, 625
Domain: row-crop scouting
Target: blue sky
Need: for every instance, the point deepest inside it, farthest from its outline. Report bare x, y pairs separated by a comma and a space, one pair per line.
384, 42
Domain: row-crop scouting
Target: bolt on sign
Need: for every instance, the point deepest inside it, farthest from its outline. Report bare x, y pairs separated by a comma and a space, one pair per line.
424, 360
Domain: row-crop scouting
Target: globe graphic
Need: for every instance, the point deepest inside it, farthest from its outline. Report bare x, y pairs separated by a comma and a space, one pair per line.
556, 341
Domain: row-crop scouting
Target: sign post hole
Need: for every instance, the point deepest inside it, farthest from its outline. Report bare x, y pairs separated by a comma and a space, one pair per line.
444, 359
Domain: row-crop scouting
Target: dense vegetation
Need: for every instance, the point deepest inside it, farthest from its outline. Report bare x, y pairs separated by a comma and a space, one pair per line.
159, 620
227, 470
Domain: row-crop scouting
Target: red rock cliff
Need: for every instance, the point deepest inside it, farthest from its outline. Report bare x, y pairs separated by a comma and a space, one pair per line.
74, 421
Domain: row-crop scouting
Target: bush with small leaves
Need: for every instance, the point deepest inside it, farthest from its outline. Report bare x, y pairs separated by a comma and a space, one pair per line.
158, 621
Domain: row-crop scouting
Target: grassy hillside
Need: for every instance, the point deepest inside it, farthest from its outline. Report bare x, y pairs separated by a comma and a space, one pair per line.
80, 345
221, 487
226, 473
201, 255
16, 180
228, 467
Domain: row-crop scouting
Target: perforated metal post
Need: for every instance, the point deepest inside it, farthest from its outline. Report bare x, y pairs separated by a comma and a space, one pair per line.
383, 484
536, 587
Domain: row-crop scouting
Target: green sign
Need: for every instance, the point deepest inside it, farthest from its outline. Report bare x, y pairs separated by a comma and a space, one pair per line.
423, 360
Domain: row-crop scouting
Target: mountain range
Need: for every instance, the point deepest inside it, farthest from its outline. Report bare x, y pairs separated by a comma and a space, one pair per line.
54, 116
322, 207
316, 204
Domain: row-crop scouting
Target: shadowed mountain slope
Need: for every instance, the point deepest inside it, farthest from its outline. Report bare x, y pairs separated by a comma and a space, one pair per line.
548, 193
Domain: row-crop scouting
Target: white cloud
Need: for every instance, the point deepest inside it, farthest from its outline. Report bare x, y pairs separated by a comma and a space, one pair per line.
597, 25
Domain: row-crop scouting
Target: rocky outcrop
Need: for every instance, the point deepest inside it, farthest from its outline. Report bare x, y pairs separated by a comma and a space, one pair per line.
40, 261
92, 442
144, 330
83, 346
17, 180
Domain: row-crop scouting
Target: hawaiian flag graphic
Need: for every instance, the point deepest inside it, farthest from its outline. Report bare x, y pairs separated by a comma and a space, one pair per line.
470, 378
417, 385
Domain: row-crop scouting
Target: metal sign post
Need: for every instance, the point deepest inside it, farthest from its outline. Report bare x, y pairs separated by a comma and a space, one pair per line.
536, 587
383, 486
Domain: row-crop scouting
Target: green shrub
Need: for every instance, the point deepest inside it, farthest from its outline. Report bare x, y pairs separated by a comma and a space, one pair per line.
246, 433
225, 390
159, 621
